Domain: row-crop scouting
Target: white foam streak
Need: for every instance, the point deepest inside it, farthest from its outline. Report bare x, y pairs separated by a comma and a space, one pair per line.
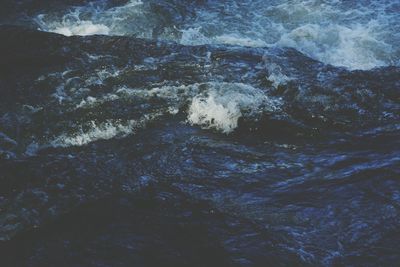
103, 131
82, 28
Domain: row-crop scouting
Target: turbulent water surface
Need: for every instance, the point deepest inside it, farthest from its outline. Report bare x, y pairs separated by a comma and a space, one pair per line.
199, 133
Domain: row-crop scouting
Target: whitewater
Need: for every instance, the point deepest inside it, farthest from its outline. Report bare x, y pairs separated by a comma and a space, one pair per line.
199, 133
351, 34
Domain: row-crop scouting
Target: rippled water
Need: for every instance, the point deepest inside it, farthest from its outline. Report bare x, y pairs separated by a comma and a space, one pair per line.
236, 133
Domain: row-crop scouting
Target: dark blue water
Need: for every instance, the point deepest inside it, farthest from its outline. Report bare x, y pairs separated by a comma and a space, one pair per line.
237, 133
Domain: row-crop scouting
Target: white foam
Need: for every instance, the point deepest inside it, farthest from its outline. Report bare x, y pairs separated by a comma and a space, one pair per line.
224, 104
356, 47
103, 131
82, 28
206, 111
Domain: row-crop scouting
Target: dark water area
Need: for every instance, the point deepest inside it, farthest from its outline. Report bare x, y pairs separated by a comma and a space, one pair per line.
134, 133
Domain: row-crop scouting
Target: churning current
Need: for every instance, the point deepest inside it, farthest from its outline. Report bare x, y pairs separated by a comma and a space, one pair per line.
199, 133
353, 34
